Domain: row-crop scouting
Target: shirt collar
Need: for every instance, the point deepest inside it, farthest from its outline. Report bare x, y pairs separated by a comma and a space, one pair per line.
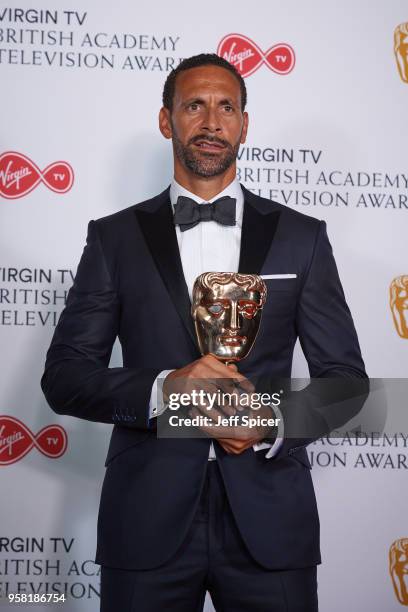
233, 190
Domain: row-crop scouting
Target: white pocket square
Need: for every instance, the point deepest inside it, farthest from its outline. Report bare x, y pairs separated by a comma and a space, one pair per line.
276, 276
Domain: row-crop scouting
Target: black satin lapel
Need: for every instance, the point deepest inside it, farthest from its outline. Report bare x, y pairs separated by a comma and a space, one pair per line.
258, 231
160, 235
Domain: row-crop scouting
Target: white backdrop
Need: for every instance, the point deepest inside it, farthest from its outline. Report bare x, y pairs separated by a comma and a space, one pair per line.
81, 85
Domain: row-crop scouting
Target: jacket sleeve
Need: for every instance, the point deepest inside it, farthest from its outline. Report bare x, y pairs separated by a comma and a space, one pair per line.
77, 380
339, 385
324, 323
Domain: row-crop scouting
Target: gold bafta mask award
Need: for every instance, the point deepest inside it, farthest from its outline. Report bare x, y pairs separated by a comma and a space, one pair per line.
398, 566
227, 310
401, 50
399, 304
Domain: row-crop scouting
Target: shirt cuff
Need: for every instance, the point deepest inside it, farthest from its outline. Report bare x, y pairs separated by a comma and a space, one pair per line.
273, 448
156, 404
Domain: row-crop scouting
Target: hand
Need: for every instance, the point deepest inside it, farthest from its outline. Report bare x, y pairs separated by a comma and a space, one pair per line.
236, 447
209, 375
236, 438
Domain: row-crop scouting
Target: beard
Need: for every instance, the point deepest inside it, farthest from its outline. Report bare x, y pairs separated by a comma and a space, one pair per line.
203, 163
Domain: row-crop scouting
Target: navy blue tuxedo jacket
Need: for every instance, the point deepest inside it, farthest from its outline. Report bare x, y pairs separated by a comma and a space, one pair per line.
130, 284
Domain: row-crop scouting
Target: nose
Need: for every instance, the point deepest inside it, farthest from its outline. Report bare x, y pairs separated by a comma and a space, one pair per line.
234, 318
211, 121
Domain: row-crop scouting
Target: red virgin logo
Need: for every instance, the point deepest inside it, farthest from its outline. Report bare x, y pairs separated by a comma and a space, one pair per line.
16, 440
246, 56
19, 175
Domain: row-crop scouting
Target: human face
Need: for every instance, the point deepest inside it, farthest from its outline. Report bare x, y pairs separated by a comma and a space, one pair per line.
206, 124
227, 320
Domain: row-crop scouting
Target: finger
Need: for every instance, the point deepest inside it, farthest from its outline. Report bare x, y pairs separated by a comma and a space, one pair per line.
238, 379
227, 397
213, 427
221, 369
232, 449
226, 447
232, 388
207, 396
226, 377
222, 394
194, 412
245, 384
214, 430
237, 446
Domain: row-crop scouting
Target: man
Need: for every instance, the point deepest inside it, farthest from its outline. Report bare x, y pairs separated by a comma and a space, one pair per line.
173, 522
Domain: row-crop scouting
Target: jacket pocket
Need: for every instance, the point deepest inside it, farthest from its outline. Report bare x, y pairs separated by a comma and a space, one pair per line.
282, 284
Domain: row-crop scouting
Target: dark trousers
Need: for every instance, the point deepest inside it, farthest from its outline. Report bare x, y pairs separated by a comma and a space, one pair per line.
212, 558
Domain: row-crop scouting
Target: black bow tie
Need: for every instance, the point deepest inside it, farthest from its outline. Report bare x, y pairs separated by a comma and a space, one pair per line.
188, 213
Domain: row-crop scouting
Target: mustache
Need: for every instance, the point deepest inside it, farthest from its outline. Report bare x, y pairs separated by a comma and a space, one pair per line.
220, 141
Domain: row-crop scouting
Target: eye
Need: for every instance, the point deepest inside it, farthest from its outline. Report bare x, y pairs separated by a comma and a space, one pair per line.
193, 106
228, 108
248, 310
216, 309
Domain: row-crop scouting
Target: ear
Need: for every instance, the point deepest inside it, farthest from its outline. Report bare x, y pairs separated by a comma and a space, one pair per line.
244, 127
165, 123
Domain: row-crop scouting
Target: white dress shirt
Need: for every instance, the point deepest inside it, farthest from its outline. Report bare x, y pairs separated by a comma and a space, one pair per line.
210, 247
